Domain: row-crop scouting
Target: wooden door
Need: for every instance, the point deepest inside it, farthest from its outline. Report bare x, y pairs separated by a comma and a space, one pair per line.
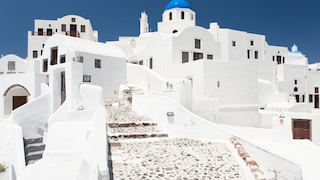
73, 30
301, 129
18, 101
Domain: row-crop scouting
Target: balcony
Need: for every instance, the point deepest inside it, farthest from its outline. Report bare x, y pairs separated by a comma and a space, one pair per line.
67, 33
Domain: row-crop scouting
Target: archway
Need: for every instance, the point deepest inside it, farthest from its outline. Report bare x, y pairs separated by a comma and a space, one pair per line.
14, 97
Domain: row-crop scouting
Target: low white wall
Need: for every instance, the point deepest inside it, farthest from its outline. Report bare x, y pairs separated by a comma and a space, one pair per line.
33, 115
271, 164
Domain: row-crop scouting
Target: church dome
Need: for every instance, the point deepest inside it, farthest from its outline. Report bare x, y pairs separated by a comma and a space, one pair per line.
178, 4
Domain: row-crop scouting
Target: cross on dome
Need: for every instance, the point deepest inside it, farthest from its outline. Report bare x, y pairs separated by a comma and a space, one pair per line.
178, 4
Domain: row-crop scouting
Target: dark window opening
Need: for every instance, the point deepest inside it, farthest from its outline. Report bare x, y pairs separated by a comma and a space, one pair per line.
197, 43
49, 32
182, 15
83, 28
197, 56
256, 54
185, 57
40, 32
209, 56
34, 54
73, 19
141, 62
170, 16
11, 66
248, 54
62, 58
63, 27
45, 65
251, 43
54, 56
151, 63
316, 90
86, 78
279, 59
295, 89
174, 31
97, 63
310, 98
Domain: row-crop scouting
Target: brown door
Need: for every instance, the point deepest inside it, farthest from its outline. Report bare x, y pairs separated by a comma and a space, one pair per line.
18, 101
301, 129
63, 87
73, 30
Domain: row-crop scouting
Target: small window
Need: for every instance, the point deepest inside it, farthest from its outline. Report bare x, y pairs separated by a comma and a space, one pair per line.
191, 17
54, 56
256, 54
40, 32
295, 81
252, 43
174, 31
11, 65
45, 65
310, 98
73, 19
197, 43
62, 58
185, 57
234, 43
141, 62
151, 63
182, 15
49, 32
86, 78
209, 56
273, 58
248, 53
35, 54
316, 90
197, 56
218, 84
295, 89
83, 28
283, 60
97, 63
63, 27
170, 16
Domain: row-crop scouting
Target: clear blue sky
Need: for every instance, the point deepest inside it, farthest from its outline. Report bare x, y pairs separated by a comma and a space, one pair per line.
283, 22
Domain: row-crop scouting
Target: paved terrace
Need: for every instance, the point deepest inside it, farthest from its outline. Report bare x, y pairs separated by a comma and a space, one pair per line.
155, 156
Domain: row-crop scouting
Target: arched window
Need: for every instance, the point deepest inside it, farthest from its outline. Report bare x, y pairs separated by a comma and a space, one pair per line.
182, 15
295, 89
174, 31
170, 16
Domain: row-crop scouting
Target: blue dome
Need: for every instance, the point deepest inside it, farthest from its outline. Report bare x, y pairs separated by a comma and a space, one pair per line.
178, 4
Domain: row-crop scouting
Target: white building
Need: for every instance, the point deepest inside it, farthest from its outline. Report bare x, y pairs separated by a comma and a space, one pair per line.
223, 75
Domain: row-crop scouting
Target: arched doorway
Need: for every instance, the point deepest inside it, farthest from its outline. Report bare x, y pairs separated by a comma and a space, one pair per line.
14, 97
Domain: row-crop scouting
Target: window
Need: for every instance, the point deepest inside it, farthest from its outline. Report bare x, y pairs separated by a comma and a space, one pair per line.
197, 43
209, 56
279, 59
295, 81
182, 15
295, 89
141, 62
316, 90
40, 32
11, 65
251, 43
62, 58
97, 63
234, 43
73, 19
174, 31
45, 65
83, 28
35, 54
283, 60
63, 27
185, 57
256, 54
49, 32
218, 84
170, 16
191, 17
273, 58
310, 98
151, 63
86, 78
54, 56
197, 56
248, 53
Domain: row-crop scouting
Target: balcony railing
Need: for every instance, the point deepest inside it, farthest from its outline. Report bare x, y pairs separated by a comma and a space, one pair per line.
67, 33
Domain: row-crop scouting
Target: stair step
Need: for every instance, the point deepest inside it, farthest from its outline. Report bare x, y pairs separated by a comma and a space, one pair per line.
131, 124
33, 140
136, 136
33, 156
35, 147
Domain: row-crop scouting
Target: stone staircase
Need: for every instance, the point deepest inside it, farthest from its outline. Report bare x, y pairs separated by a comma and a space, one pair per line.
126, 124
33, 148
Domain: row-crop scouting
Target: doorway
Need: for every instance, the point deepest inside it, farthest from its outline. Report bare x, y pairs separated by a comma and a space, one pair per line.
73, 30
316, 101
301, 129
18, 101
63, 87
